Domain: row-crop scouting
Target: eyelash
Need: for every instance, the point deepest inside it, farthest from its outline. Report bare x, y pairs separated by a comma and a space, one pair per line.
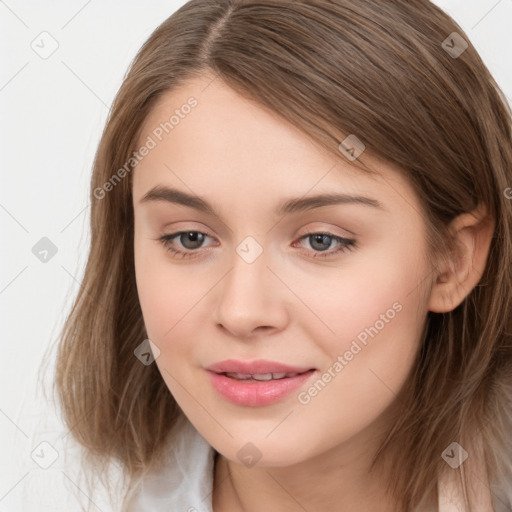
346, 244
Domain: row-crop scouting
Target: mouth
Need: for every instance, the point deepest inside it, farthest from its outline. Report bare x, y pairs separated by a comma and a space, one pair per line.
258, 389
261, 369
262, 377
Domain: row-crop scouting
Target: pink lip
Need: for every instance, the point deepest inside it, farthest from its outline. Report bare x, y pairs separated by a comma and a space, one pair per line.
256, 393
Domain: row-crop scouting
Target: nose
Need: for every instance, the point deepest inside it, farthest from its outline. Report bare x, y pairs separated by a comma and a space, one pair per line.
252, 299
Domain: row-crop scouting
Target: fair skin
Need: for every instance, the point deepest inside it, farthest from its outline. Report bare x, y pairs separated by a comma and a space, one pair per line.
287, 305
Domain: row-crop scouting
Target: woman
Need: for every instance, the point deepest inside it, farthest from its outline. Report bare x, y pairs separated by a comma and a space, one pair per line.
298, 292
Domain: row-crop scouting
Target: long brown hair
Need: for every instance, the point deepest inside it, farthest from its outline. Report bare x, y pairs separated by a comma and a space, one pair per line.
377, 69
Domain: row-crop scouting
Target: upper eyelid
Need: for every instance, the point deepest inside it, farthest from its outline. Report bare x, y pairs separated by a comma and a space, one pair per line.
320, 227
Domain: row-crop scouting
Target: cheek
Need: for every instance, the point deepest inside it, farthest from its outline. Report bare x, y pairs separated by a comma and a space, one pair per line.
167, 298
375, 314
368, 363
172, 298
375, 295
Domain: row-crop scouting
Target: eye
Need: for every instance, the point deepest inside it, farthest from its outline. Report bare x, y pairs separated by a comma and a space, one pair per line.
193, 240
190, 240
320, 242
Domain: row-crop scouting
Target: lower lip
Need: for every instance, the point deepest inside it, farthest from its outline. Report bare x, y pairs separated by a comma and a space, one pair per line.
256, 393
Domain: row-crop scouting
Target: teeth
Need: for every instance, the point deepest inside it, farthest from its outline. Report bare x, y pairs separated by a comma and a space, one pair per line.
241, 376
260, 376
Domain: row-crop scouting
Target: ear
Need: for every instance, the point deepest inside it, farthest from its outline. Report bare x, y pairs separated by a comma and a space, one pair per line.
471, 239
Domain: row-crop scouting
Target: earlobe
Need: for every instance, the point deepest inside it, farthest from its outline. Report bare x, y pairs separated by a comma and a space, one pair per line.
458, 275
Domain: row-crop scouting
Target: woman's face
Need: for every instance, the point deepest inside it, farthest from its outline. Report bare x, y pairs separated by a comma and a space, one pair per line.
255, 280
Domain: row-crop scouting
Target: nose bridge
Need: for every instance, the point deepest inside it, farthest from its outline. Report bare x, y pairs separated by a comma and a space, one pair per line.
248, 297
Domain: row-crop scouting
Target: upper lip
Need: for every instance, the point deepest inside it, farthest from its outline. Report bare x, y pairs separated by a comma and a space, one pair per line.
256, 367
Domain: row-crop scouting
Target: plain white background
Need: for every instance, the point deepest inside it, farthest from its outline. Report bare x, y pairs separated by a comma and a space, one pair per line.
53, 110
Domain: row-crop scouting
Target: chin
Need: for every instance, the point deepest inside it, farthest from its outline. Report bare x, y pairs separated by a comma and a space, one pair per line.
256, 452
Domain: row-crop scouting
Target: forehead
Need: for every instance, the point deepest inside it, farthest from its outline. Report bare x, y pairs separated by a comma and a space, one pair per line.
209, 139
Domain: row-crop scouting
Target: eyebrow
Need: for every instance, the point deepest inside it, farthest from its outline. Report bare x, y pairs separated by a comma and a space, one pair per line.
294, 205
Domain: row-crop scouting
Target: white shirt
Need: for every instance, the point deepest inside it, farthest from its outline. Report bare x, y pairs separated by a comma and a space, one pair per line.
185, 482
